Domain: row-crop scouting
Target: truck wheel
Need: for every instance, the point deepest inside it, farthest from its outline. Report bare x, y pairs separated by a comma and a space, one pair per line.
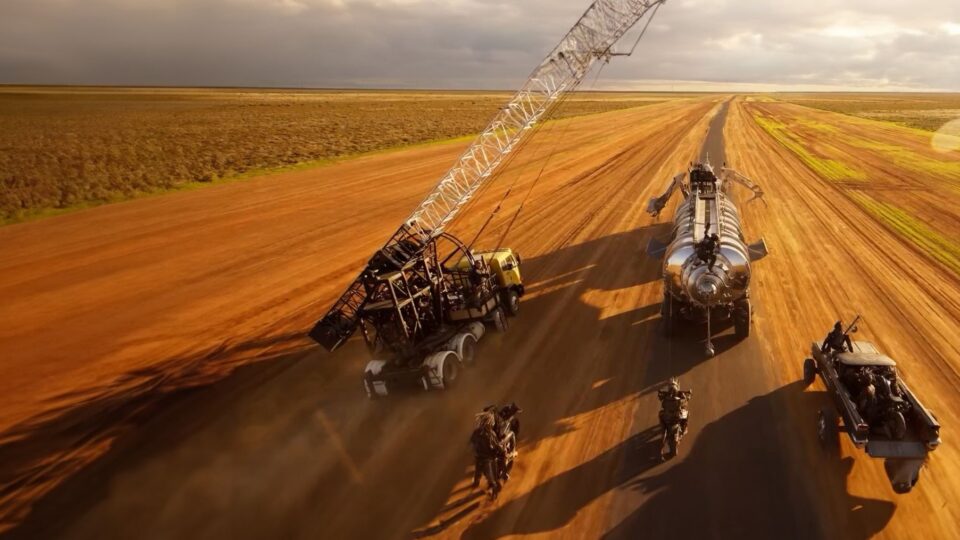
500, 320
512, 301
827, 430
444, 370
809, 371
374, 389
667, 317
465, 345
741, 319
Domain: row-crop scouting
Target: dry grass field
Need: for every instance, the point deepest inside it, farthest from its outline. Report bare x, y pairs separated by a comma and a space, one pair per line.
69, 147
924, 111
877, 164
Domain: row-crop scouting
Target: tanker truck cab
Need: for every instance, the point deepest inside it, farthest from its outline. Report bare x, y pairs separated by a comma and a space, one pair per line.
504, 265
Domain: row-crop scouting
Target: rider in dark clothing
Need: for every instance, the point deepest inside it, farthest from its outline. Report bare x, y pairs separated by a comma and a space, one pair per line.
487, 452
837, 340
708, 247
673, 405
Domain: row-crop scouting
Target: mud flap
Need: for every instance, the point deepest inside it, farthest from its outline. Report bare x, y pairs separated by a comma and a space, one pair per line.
656, 248
757, 250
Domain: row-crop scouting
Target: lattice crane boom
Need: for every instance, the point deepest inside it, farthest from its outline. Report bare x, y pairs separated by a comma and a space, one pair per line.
590, 40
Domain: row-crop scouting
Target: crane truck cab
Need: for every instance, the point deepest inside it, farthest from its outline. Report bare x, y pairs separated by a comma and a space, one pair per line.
504, 265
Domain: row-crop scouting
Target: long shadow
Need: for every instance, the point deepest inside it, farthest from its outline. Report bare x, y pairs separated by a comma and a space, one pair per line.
54, 451
196, 414
555, 502
563, 264
737, 481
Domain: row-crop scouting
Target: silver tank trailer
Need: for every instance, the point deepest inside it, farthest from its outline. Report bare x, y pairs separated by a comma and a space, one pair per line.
692, 290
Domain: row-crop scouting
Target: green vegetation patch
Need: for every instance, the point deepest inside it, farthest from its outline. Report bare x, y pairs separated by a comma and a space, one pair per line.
908, 159
827, 168
64, 148
921, 111
940, 247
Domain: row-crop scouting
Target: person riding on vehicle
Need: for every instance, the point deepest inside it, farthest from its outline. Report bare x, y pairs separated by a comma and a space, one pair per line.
488, 452
673, 405
708, 247
837, 340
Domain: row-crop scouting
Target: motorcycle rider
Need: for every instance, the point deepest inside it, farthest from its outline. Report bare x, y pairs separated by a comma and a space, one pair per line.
837, 340
487, 451
673, 405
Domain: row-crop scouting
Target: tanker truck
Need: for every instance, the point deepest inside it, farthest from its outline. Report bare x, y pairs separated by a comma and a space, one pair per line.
706, 261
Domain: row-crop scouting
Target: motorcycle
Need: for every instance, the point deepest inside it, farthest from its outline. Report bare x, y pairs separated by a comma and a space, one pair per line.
508, 425
673, 432
673, 417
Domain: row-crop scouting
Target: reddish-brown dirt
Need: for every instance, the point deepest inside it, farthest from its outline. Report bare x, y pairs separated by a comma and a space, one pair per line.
156, 382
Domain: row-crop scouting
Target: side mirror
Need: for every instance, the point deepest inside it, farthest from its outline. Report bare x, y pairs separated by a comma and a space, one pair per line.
517, 256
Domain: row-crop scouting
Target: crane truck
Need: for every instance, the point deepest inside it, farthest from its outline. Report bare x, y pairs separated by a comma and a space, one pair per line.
424, 299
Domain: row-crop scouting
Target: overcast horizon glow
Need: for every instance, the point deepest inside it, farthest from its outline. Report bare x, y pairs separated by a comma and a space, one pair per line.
473, 44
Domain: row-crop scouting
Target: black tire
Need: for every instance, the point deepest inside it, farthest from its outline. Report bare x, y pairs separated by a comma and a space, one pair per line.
468, 351
667, 317
809, 371
500, 320
451, 371
741, 319
511, 300
827, 430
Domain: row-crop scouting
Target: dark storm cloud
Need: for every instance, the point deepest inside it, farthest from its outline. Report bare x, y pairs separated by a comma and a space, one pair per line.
469, 43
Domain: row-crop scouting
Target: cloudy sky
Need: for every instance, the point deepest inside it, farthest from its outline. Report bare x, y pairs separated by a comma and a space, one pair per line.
745, 44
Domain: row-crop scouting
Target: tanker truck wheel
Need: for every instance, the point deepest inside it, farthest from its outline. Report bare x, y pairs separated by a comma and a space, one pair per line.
741, 319
809, 371
667, 318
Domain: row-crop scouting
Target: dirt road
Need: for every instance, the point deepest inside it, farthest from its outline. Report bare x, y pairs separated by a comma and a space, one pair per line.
159, 385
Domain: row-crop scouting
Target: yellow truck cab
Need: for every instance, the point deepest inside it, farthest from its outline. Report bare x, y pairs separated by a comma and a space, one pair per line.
505, 265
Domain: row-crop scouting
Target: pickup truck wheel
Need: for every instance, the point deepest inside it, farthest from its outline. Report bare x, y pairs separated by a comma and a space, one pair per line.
827, 430
512, 301
809, 371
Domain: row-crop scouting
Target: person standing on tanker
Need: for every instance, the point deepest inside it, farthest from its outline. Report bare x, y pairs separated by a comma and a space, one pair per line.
708, 247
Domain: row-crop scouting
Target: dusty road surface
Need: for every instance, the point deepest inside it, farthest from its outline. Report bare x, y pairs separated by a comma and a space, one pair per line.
156, 383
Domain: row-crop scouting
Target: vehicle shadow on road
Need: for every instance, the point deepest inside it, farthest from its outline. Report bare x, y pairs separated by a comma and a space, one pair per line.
58, 458
555, 502
565, 263
283, 441
713, 491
